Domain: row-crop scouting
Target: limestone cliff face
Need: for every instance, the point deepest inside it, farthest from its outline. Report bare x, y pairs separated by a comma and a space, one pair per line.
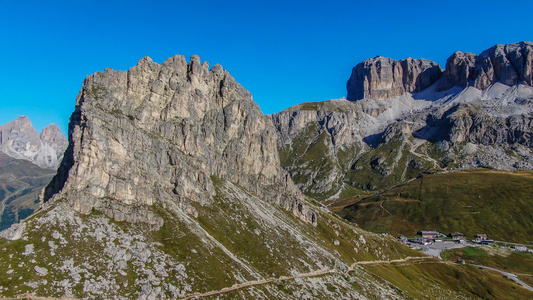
469, 124
381, 77
163, 133
20, 140
509, 64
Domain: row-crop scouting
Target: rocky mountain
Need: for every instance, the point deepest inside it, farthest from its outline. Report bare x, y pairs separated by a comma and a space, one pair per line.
509, 64
405, 118
171, 187
20, 140
382, 78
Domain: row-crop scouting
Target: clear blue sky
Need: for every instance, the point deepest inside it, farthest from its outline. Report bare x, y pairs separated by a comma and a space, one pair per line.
284, 52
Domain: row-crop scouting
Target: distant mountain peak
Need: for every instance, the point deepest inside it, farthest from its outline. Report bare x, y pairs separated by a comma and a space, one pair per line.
20, 140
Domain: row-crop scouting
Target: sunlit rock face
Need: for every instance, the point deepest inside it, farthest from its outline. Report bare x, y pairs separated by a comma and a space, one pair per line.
382, 77
160, 133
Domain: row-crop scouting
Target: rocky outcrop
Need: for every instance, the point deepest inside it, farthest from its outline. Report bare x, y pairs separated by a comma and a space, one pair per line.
460, 69
320, 142
382, 78
310, 142
509, 64
162, 134
20, 140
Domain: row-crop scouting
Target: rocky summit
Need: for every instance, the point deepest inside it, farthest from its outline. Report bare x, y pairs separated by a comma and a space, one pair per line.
20, 140
175, 185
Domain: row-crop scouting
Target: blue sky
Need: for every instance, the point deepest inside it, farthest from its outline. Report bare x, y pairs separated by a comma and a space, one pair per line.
284, 52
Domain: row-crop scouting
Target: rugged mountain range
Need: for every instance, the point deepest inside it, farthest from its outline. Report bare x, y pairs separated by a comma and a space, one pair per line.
403, 118
172, 186
20, 140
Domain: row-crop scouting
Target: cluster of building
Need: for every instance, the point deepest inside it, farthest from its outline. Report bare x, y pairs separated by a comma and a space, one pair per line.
428, 237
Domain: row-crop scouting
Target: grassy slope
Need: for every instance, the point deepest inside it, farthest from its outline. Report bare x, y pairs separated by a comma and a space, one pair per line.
480, 201
511, 261
269, 240
433, 280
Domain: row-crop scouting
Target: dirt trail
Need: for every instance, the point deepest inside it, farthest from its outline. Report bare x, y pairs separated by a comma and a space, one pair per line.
310, 274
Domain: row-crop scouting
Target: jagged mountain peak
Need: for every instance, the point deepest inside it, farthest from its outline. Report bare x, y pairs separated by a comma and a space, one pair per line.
173, 128
509, 64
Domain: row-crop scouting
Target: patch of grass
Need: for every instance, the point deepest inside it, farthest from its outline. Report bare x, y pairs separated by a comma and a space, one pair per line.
7, 219
493, 202
116, 112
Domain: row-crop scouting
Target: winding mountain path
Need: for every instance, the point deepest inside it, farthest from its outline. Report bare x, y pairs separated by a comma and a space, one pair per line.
304, 275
